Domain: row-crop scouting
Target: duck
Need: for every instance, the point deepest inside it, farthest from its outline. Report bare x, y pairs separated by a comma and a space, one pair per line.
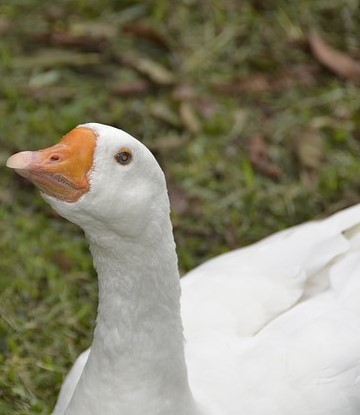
272, 328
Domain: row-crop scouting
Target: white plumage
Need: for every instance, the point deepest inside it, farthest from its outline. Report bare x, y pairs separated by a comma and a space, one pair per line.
271, 329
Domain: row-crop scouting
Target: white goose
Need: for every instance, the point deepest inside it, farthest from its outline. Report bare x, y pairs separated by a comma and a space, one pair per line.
270, 329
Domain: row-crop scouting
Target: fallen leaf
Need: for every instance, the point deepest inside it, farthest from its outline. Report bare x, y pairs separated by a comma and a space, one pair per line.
153, 70
336, 61
87, 36
88, 43
50, 58
131, 88
67, 40
94, 29
309, 150
261, 82
184, 92
189, 117
5, 25
253, 83
260, 158
144, 31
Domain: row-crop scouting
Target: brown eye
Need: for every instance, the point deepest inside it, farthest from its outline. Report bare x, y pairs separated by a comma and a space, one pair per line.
123, 157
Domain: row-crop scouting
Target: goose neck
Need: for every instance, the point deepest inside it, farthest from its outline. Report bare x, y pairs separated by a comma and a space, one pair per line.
137, 356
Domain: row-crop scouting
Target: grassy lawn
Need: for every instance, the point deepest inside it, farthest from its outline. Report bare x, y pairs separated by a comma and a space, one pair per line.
253, 132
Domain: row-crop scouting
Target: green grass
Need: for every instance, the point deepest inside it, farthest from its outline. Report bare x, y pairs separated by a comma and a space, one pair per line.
221, 199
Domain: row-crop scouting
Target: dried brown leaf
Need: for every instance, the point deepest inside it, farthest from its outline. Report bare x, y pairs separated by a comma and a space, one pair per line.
5, 25
261, 82
131, 88
94, 29
189, 117
141, 30
90, 37
184, 92
260, 158
253, 83
336, 61
88, 43
153, 70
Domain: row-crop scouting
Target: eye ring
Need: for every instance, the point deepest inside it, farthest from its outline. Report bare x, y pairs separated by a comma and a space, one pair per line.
124, 156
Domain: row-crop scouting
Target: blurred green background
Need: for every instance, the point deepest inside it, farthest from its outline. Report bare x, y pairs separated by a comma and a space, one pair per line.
253, 117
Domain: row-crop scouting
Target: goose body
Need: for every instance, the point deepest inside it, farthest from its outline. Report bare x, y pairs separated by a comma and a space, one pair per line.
272, 329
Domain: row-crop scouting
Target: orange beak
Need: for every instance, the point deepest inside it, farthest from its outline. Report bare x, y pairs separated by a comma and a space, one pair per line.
62, 170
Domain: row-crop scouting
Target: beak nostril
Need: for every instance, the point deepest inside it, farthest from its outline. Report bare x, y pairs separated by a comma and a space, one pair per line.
54, 158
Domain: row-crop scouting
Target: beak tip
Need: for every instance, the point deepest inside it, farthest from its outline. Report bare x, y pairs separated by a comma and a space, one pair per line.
19, 161
10, 162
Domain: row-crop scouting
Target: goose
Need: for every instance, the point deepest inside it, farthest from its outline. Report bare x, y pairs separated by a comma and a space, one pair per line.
273, 328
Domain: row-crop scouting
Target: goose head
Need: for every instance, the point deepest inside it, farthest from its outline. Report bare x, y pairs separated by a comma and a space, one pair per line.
100, 178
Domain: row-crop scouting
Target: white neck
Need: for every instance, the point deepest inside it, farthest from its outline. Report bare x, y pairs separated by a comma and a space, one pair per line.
136, 364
